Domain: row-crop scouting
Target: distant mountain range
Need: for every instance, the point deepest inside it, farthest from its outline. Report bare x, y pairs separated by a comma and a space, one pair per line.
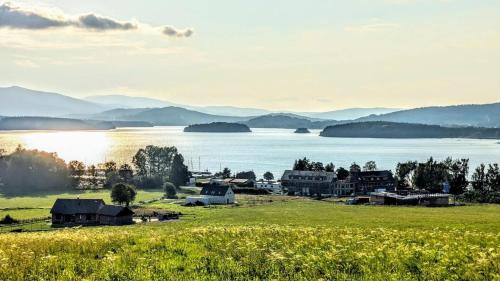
17, 101
482, 115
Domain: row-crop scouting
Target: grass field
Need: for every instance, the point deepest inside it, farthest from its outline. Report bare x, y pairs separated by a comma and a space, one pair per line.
268, 237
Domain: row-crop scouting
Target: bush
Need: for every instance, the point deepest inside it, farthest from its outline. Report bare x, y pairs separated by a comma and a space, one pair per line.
8, 220
170, 190
123, 193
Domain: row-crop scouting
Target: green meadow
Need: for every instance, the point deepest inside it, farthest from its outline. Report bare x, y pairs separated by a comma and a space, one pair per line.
262, 238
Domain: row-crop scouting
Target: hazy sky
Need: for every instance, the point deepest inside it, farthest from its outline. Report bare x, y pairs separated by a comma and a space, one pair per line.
281, 55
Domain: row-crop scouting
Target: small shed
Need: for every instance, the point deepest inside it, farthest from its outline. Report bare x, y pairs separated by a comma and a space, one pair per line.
114, 215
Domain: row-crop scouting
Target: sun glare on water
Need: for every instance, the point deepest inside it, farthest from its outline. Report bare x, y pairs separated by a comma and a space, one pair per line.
89, 147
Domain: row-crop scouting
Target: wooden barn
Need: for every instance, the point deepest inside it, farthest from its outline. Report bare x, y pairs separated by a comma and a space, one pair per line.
89, 212
114, 215
76, 211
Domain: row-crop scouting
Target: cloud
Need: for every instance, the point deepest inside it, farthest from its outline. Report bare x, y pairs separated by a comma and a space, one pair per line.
92, 21
174, 32
13, 17
36, 19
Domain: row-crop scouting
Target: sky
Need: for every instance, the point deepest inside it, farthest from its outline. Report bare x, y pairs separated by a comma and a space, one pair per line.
279, 55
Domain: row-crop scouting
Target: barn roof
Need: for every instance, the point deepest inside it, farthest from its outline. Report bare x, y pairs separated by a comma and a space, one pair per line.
76, 206
114, 211
214, 190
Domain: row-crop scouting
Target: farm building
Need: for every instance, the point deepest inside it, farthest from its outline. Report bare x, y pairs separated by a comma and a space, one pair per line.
386, 198
114, 215
89, 212
308, 183
213, 194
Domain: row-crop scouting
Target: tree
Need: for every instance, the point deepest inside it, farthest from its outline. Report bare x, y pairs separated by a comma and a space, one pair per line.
179, 174
342, 173
225, 173
354, 168
154, 160
457, 175
250, 175
330, 167
29, 171
493, 177
370, 166
403, 173
92, 172
430, 175
125, 172
108, 167
316, 166
268, 176
76, 168
123, 194
170, 190
479, 178
301, 164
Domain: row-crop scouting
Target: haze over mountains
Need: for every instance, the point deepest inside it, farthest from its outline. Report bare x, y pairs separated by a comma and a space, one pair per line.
17, 101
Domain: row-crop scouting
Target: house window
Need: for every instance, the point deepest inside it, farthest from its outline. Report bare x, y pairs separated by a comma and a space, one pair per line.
88, 217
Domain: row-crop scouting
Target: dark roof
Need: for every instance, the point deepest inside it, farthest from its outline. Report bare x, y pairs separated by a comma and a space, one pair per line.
375, 174
215, 190
114, 211
76, 206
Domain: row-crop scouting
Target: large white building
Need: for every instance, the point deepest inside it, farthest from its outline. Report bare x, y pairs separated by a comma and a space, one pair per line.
213, 194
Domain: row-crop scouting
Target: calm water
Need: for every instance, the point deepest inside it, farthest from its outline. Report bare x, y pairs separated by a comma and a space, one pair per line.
261, 150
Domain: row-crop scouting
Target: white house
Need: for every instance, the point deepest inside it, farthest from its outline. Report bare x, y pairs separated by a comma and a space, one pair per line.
213, 194
273, 186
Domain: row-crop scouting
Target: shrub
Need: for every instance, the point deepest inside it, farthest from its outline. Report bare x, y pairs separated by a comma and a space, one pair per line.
170, 190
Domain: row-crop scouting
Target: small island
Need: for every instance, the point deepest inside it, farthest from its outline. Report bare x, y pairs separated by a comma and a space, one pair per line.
218, 127
302, 131
380, 129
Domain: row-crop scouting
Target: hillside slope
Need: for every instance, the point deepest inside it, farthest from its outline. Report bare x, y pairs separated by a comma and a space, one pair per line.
17, 101
480, 115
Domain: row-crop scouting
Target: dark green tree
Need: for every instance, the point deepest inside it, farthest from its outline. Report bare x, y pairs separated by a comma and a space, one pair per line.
342, 173
404, 172
126, 173
250, 175
354, 168
225, 173
179, 174
493, 177
370, 166
479, 178
458, 171
330, 167
268, 176
123, 194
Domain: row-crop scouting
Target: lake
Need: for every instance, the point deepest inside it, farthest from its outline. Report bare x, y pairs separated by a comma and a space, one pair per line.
262, 150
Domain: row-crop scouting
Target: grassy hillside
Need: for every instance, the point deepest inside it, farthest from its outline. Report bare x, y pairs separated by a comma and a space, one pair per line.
281, 238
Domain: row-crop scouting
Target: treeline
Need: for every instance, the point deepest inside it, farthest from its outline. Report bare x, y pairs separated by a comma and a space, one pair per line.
27, 171
449, 175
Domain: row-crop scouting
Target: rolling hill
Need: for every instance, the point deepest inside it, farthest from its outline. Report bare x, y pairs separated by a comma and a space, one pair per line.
349, 113
17, 101
478, 115
166, 116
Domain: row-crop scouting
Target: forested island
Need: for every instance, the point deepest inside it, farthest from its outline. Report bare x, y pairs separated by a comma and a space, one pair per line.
218, 127
302, 131
379, 129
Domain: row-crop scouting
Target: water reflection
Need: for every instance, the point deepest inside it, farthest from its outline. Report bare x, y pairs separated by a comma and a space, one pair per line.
88, 147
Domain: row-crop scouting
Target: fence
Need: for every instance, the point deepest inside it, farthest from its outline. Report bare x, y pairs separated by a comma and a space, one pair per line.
34, 224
